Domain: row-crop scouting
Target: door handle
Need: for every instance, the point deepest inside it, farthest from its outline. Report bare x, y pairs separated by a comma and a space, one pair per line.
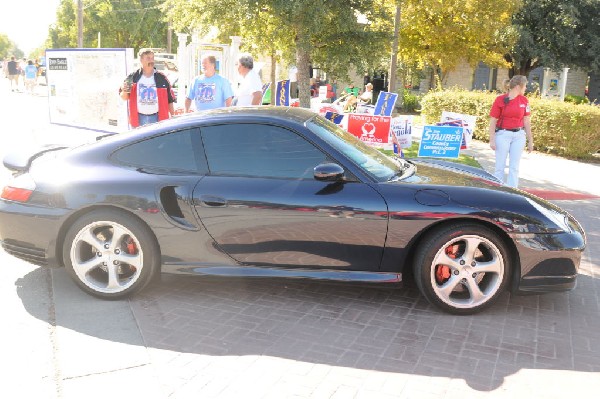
213, 201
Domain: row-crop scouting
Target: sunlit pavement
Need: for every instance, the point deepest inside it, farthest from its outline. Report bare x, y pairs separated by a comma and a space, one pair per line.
255, 338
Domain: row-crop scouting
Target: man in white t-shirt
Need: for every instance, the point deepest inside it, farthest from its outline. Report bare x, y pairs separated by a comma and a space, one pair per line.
250, 90
149, 93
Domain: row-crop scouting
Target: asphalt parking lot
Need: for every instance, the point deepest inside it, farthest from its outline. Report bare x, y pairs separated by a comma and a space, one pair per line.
212, 337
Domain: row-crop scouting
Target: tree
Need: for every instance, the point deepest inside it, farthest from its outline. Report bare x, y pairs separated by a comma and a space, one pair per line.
441, 33
121, 23
309, 32
8, 47
555, 34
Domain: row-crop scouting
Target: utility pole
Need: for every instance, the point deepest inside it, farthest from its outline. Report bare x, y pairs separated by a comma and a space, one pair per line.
80, 23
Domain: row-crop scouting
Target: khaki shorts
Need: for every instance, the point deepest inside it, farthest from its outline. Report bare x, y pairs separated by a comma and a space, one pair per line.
13, 77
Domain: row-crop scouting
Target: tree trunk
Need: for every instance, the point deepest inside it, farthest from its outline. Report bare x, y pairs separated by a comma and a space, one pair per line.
303, 61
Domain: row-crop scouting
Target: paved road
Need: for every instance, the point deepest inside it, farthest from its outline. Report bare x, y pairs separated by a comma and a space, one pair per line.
253, 338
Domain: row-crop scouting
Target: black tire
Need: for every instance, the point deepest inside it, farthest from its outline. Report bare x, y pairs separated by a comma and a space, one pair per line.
463, 268
111, 254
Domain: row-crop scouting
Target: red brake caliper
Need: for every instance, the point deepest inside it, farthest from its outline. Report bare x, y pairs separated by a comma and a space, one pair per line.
131, 247
442, 272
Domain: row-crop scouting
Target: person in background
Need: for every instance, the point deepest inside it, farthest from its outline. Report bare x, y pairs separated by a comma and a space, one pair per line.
13, 73
149, 93
209, 90
510, 128
30, 77
250, 90
352, 90
367, 96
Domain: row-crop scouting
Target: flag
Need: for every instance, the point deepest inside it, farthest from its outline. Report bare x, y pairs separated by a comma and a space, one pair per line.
334, 117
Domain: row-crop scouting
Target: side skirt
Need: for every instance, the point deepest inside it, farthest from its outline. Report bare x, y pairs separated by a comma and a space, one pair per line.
252, 271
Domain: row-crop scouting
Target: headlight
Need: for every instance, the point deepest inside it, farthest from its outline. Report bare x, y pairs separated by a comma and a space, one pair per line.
560, 219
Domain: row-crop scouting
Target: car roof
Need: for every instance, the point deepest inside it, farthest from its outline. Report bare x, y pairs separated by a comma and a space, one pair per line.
239, 114
278, 115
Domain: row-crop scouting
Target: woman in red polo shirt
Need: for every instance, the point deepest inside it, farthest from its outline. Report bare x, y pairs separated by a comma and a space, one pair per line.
510, 127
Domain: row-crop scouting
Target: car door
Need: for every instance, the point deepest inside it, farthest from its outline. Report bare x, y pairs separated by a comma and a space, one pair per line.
262, 205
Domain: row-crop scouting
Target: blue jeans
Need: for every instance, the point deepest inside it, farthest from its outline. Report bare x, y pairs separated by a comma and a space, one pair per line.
146, 119
509, 144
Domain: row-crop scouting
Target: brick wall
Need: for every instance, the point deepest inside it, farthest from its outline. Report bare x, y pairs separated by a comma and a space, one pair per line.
461, 76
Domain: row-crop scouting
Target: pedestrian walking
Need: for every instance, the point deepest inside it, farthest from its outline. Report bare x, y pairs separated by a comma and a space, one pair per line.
510, 129
30, 77
149, 93
13, 74
209, 90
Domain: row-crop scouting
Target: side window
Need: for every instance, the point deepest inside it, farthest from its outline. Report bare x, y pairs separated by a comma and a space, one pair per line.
259, 151
176, 152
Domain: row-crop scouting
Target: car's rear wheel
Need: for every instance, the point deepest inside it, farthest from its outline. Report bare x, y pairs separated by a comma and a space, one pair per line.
111, 254
462, 268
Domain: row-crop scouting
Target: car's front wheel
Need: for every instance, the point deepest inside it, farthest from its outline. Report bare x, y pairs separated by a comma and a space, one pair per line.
111, 254
462, 268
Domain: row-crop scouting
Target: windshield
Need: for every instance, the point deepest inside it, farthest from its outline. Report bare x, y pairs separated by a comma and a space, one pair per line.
376, 164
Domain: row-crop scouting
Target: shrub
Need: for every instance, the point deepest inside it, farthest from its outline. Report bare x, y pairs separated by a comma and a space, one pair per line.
410, 102
571, 98
564, 129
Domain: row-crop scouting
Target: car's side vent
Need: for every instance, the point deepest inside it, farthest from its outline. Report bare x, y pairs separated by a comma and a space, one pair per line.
168, 199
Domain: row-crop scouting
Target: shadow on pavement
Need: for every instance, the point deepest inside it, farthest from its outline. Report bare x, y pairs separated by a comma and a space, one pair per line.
353, 326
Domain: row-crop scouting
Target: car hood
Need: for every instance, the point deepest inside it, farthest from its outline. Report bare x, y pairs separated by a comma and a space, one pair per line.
438, 172
453, 190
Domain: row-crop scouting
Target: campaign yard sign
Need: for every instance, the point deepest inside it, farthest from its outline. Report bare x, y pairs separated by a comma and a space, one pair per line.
441, 141
282, 94
371, 129
402, 128
456, 119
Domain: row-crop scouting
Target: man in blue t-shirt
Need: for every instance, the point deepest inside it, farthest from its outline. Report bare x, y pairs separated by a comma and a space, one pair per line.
209, 90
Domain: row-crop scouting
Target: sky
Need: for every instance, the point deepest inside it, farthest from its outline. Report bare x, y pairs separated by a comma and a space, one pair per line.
29, 28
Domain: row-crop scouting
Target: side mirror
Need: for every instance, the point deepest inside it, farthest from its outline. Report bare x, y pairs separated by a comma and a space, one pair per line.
329, 172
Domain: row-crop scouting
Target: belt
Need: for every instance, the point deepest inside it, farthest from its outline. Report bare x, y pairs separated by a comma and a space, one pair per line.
510, 130
156, 113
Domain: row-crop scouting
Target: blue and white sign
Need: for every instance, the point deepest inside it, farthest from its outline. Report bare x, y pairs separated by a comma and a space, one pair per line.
441, 141
282, 95
385, 103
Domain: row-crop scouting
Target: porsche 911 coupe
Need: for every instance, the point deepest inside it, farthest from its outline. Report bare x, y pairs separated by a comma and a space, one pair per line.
279, 192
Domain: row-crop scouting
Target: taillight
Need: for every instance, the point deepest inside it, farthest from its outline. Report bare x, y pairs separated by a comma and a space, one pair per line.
16, 194
19, 188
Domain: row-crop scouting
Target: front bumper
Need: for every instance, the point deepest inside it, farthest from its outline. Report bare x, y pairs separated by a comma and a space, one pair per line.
548, 262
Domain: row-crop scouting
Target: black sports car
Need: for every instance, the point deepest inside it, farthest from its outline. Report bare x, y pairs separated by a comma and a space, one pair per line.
279, 192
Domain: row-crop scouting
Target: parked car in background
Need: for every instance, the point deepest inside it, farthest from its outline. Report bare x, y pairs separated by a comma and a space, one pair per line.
279, 192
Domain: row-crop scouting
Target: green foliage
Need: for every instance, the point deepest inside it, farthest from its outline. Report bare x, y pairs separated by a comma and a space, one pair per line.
441, 34
8, 48
410, 102
564, 129
305, 32
121, 23
572, 98
555, 33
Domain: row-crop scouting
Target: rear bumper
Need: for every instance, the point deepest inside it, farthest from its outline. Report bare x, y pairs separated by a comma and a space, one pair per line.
29, 232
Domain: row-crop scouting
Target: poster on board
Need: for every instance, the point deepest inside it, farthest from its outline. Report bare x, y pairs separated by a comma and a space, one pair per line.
83, 87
